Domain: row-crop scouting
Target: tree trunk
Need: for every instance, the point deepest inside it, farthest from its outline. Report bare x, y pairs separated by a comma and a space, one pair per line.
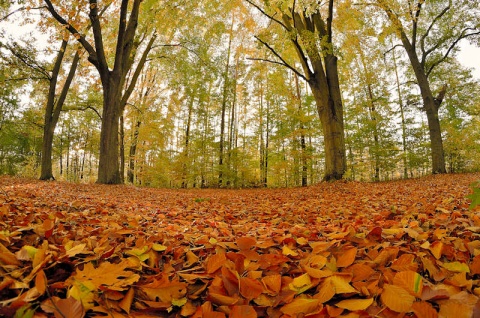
108, 165
430, 104
402, 116
133, 152
53, 109
326, 91
122, 149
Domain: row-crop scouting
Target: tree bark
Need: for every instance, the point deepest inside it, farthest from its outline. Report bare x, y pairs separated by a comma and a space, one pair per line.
53, 109
431, 105
133, 152
115, 92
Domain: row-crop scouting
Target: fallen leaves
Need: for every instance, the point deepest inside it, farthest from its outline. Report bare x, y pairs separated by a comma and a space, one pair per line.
333, 250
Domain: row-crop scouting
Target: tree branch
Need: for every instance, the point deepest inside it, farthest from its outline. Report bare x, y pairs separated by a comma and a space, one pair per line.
267, 15
422, 40
283, 62
452, 46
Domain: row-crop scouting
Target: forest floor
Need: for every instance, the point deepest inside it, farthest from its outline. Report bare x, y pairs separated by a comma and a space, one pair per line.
341, 249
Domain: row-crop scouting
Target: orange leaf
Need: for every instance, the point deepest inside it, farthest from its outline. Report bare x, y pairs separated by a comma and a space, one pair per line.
246, 243
222, 300
347, 257
436, 249
355, 304
475, 265
422, 309
301, 306
396, 298
7, 257
243, 311
326, 291
361, 272
406, 262
272, 283
410, 281
41, 282
126, 302
250, 288
214, 262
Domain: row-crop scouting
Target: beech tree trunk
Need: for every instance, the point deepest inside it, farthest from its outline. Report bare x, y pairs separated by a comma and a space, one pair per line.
431, 106
326, 91
430, 103
53, 109
108, 163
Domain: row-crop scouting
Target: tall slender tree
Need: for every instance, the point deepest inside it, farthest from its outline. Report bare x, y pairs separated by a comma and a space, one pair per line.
430, 32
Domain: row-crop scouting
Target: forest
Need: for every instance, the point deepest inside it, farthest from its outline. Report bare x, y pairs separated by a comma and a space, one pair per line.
238, 93
240, 158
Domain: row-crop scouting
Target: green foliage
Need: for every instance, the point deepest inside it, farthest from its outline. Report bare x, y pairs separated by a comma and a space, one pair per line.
475, 196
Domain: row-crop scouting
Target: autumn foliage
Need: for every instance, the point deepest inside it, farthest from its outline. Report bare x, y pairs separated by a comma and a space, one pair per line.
342, 249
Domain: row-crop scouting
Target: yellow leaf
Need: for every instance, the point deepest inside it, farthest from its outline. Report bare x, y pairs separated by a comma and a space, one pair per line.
287, 251
355, 304
301, 284
158, 247
396, 298
456, 267
179, 302
302, 241
83, 291
341, 284
77, 249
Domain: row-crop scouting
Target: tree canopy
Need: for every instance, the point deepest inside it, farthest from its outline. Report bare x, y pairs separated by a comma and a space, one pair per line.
237, 93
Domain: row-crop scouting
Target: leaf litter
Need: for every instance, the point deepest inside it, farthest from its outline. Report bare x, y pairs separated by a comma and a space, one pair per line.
343, 249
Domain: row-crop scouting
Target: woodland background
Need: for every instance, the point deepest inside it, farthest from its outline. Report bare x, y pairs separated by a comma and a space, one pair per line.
208, 106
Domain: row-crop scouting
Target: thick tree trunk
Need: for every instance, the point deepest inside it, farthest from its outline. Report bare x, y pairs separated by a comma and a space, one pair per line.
108, 164
47, 144
330, 110
436, 142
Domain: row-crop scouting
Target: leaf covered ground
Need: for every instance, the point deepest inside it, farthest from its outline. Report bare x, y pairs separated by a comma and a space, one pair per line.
343, 249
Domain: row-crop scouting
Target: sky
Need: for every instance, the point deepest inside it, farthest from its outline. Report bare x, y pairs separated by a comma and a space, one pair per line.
469, 56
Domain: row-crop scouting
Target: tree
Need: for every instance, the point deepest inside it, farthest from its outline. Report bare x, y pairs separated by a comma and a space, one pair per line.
310, 30
54, 107
430, 32
116, 90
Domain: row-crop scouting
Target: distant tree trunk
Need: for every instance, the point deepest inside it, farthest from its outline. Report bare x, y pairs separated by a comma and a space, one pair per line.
53, 109
133, 152
402, 116
122, 149
303, 145
376, 140
226, 84
187, 142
